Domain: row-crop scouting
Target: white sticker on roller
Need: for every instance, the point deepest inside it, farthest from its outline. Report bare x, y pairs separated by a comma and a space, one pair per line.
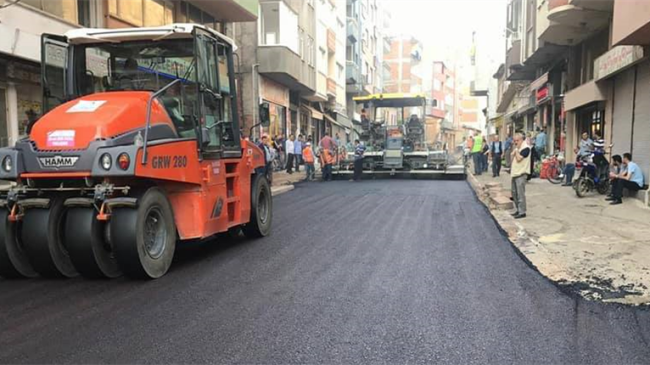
86, 106
64, 138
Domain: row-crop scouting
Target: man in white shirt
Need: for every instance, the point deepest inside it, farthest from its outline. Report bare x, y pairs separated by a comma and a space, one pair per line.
290, 153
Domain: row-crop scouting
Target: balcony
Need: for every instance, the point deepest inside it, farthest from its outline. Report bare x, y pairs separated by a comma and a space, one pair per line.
331, 87
572, 21
446, 125
353, 30
513, 62
331, 41
631, 23
584, 94
352, 73
230, 10
282, 65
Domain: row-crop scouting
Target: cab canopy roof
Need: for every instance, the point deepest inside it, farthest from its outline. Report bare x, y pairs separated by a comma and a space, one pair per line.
171, 31
395, 100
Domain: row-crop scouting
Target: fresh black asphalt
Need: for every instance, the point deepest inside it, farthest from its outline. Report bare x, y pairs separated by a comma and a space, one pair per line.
374, 272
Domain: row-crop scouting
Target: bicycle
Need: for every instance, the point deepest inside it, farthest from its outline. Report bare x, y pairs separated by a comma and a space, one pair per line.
555, 172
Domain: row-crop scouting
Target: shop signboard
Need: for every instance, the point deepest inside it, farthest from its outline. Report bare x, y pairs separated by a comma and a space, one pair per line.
616, 60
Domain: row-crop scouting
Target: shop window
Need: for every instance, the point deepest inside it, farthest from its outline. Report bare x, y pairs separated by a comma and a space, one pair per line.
73, 11
149, 13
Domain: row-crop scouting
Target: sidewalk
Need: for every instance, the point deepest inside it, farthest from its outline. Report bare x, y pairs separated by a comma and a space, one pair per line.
602, 251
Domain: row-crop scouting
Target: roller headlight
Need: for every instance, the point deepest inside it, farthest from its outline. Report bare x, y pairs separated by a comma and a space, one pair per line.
7, 164
105, 162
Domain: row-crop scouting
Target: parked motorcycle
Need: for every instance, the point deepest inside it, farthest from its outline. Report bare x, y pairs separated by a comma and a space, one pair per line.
594, 175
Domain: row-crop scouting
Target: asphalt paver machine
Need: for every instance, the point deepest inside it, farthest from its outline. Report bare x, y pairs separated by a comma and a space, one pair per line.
392, 127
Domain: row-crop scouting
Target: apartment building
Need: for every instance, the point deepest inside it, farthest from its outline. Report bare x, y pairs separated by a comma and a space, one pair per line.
404, 60
330, 81
443, 114
22, 23
365, 68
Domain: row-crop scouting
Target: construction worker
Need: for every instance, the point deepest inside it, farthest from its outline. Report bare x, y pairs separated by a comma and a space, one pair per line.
308, 158
477, 154
326, 161
359, 150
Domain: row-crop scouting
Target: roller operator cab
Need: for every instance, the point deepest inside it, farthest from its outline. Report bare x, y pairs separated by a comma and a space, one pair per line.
138, 149
392, 127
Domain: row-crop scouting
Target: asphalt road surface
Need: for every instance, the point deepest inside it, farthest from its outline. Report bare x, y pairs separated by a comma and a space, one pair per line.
372, 272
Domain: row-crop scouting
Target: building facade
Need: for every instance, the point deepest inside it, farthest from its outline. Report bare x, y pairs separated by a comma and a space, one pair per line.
576, 66
23, 23
365, 45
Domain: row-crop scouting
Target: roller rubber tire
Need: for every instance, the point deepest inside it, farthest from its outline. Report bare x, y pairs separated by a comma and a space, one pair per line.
87, 246
14, 263
127, 230
43, 239
261, 209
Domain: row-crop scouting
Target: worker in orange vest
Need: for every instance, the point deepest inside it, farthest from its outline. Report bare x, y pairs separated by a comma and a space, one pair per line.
308, 158
326, 161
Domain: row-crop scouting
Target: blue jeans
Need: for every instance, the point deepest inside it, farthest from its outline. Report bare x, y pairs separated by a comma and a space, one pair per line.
484, 160
311, 171
478, 163
569, 171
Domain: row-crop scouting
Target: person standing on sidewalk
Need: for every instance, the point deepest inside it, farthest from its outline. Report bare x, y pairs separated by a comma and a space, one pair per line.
308, 158
289, 148
359, 150
520, 169
507, 150
484, 155
477, 147
264, 145
297, 152
496, 151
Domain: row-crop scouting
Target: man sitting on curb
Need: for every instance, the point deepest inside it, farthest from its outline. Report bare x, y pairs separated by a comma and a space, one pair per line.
631, 179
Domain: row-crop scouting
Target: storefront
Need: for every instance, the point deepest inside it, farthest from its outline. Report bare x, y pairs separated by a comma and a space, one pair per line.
625, 73
278, 98
20, 97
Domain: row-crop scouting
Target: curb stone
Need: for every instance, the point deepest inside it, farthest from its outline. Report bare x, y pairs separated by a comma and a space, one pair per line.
278, 190
535, 255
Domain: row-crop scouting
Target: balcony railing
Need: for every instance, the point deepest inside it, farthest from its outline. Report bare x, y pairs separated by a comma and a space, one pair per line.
352, 30
285, 66
331, 87
331, 41
352, 73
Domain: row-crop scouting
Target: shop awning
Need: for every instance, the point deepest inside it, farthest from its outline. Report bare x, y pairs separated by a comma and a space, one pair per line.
343, 120
314, 113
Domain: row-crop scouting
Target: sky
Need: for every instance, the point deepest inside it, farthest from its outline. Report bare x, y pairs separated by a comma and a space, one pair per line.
445, 28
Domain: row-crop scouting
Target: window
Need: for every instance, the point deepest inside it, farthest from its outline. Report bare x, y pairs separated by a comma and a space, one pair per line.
311, 51
349, 53
140, 13
323, 57
340, 70
301, 34
437, 85
73, 11
278, 27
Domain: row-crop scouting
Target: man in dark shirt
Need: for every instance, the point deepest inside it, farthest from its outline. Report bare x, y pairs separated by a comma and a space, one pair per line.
359, 150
